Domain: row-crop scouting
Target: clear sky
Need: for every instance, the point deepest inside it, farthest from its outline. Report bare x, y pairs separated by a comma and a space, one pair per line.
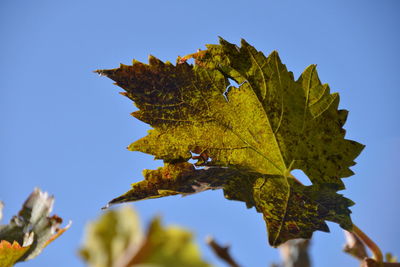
65, 129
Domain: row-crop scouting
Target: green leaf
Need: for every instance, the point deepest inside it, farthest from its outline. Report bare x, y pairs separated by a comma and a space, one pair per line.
29, 232
249, 138
390, 258
169, 247
116, 240
110, 236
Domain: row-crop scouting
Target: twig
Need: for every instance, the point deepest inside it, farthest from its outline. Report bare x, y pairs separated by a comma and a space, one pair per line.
376, 251
367, 262
221, 252
354, 246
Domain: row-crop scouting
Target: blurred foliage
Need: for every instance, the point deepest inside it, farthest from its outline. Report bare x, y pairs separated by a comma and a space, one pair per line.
116, 240
29, 232
355, 247
390, 258
10, 253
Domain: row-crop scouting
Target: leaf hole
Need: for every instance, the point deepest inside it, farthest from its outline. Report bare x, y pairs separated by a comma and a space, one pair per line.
199, 160
193, 161
301, 176
232, 84
199, 167
190, 61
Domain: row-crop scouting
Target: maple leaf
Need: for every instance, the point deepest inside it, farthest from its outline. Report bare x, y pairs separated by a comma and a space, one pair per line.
249, 138
29, 232
117, 240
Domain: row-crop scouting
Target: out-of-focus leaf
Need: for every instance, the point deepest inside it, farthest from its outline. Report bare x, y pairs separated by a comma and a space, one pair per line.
169, 247
249, 137
10, 253
390, 257
116, 240
110, 236
32, 229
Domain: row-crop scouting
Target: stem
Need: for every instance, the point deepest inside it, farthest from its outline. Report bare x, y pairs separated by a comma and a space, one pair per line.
376, 251
222, 252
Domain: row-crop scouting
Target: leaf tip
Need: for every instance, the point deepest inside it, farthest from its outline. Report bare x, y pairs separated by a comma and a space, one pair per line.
101, 72
311, 67
221, 40
117, 200
274, 53
106, 206
154, 61
243, 42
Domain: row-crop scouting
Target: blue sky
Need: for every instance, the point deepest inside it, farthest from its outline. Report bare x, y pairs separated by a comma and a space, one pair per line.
65, 129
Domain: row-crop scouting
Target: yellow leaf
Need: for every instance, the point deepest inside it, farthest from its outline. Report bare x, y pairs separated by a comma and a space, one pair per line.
10, 253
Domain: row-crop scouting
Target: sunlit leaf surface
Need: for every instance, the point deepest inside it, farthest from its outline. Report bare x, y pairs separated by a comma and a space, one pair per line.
247, 139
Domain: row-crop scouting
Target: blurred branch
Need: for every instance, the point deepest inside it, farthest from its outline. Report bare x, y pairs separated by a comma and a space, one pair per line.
294, 253
368, 262
376, 251
221, 252
356, 248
